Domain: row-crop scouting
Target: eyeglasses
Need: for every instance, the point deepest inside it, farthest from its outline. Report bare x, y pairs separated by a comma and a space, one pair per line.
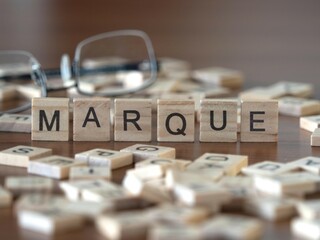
106, 65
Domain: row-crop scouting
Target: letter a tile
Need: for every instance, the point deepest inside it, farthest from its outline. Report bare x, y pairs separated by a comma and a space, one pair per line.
91, 119
50, 119
175, 120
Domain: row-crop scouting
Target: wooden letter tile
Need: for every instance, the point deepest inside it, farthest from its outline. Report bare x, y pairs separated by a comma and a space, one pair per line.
28, 184
259, 121
132, 120
50, 119
105, 158
91, 119
176, 121
315, 137
90, 173
218, 120
267, 168
310, 164
310, 123
20, 156
165, 163
294, 106
143, 152
15, 123
5, 198
53, 166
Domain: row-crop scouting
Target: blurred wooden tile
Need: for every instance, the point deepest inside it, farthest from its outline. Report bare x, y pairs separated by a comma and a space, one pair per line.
270, 208
310, 164
105, 158
15, 123
142, 152
90, 173
297, 183
218, 120
20, 156
165, 163
161, 86
261, 93
267, 168
315, 137
54, 166
7, 91
259, 121
5, 198
305, 228
293, 106
297, 89
91, 119
126, 225
309, 209
74, 189
166, 231
132, 120
49, 221
230, 164
177, 214
50, 119
29, 90
175, 121
211, 171
310, 123
21, 184
219, 76
243, 227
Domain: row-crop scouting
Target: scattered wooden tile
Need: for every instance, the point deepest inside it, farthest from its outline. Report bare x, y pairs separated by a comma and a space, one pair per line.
54, 166
208, 170
175, 214
243, 227
90, 173
310, 123
29, 90
165, 163
15, 123
305, 229
175, 121
218, 120
91, 119
270, 208
315, 137
28, 184
259, 121
310, 164
163, 86
94, 84
74, 189
309, 209
142, 152
50, 119
219, 76
169, 65
20, 156
5, 198
267, 168
166, 231
297, 89
288, 184
133, 120
294, 106
49, 221
39, 201
105, 158
126, 225
261, 93
230, 164
7, 91
203, 194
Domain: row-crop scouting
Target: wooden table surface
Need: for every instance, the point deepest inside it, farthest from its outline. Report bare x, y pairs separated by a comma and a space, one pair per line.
269, 41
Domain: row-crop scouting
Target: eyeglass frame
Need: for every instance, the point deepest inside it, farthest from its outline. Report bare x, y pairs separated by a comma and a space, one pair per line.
67, 71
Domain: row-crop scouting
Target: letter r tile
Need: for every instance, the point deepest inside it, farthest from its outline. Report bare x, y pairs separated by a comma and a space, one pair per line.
132, 120
176, 120
50, 119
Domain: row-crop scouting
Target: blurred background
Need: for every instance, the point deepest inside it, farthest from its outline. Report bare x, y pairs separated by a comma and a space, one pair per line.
269, 41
